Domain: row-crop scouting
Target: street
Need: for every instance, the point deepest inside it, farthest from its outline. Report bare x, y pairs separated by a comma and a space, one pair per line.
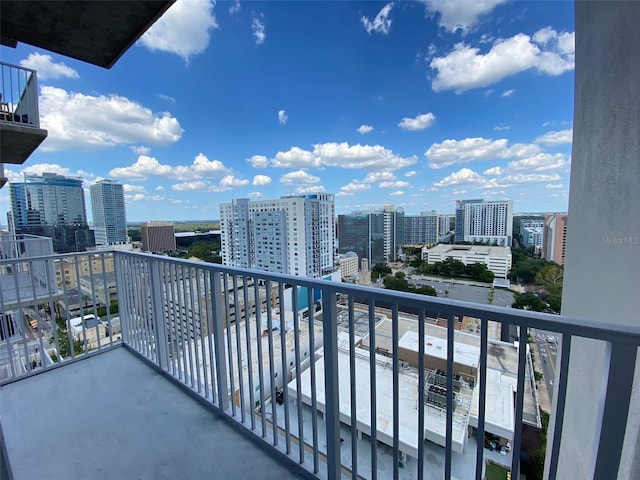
547, 343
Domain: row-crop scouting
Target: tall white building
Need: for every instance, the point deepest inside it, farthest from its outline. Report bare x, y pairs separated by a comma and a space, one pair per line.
109, 218
484, 221
293, 235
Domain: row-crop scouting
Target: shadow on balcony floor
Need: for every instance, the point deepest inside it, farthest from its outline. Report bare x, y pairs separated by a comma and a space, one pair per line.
111, 416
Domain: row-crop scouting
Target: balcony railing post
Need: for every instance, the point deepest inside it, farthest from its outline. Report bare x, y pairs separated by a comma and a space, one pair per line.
219, 350
157, 315
621, 371
332, 412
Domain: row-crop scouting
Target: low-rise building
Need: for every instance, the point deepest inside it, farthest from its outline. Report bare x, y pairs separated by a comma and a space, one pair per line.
497, 259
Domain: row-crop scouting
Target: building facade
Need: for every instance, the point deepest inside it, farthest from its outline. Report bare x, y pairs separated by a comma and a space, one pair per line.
421, 229
532, 237
158, 237
497, 259
554, 239
444, 224
293, 235
374, 236
109, 217
484, 221
348, 264
52, 205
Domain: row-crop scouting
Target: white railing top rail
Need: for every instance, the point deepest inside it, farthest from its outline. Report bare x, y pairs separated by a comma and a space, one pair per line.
526, 318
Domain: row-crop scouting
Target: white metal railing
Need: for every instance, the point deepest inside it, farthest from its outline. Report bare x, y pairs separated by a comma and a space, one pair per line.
246, 341
18, 95
53, 308
327, 373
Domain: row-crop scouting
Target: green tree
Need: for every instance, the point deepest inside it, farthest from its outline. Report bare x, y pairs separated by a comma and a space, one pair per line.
550, 278
528, 301
379, 270
64, 344
135, 234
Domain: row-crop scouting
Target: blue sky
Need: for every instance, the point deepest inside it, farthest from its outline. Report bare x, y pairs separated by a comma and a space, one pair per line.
412, 104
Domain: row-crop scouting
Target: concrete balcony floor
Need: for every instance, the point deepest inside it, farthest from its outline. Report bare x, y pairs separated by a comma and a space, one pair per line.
113, 416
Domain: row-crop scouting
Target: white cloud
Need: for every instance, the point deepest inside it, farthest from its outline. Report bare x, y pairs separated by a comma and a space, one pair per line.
146, 167
75, 120
452, 152
465, 68
354, 187
204, 166
166, 98
140, 149
493, 171
456, 14
397, 193
373, 177
138, 197
310, 190
410, 173
184, 29
551, 186
508, 93
255, 194
295, 157
160, 188
258, 161
230, 181
553, 139
396, 184
257, 27
531, 178
261, 180
127, 187
298, 177
420, 122
499, 128
190, 186
342, 155
540, 162
461, 177
362, 129
282, 117
40, 168
235, 7
381, 23
47, 69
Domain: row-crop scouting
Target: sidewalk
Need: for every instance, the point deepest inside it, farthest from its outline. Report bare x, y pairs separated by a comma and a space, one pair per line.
543, 393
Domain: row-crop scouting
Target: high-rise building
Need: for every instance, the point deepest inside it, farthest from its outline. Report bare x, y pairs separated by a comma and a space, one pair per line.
532, 237
52, 205
109, 218
374, 236
554, 237
293, 234
444, 224
484, 221
421, 229
158, 237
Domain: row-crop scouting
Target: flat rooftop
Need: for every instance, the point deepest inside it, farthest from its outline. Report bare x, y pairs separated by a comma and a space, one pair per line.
487, 250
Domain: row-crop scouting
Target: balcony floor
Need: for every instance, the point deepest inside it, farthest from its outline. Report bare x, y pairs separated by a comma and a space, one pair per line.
113, 416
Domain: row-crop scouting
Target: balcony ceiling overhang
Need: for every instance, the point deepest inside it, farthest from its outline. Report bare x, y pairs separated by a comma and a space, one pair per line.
96, 32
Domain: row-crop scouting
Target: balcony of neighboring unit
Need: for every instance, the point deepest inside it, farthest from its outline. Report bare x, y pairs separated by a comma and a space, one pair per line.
19, 117
195, 369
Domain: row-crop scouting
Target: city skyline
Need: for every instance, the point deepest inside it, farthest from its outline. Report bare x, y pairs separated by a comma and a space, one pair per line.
378, 103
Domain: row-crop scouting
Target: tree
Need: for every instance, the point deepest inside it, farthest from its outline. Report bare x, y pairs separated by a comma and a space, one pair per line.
64, 345
528, 301
550, 277
379, 270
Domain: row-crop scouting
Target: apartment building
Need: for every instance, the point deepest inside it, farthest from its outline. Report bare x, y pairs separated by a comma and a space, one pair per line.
109, 217
484, 221
554, 237
292, 234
